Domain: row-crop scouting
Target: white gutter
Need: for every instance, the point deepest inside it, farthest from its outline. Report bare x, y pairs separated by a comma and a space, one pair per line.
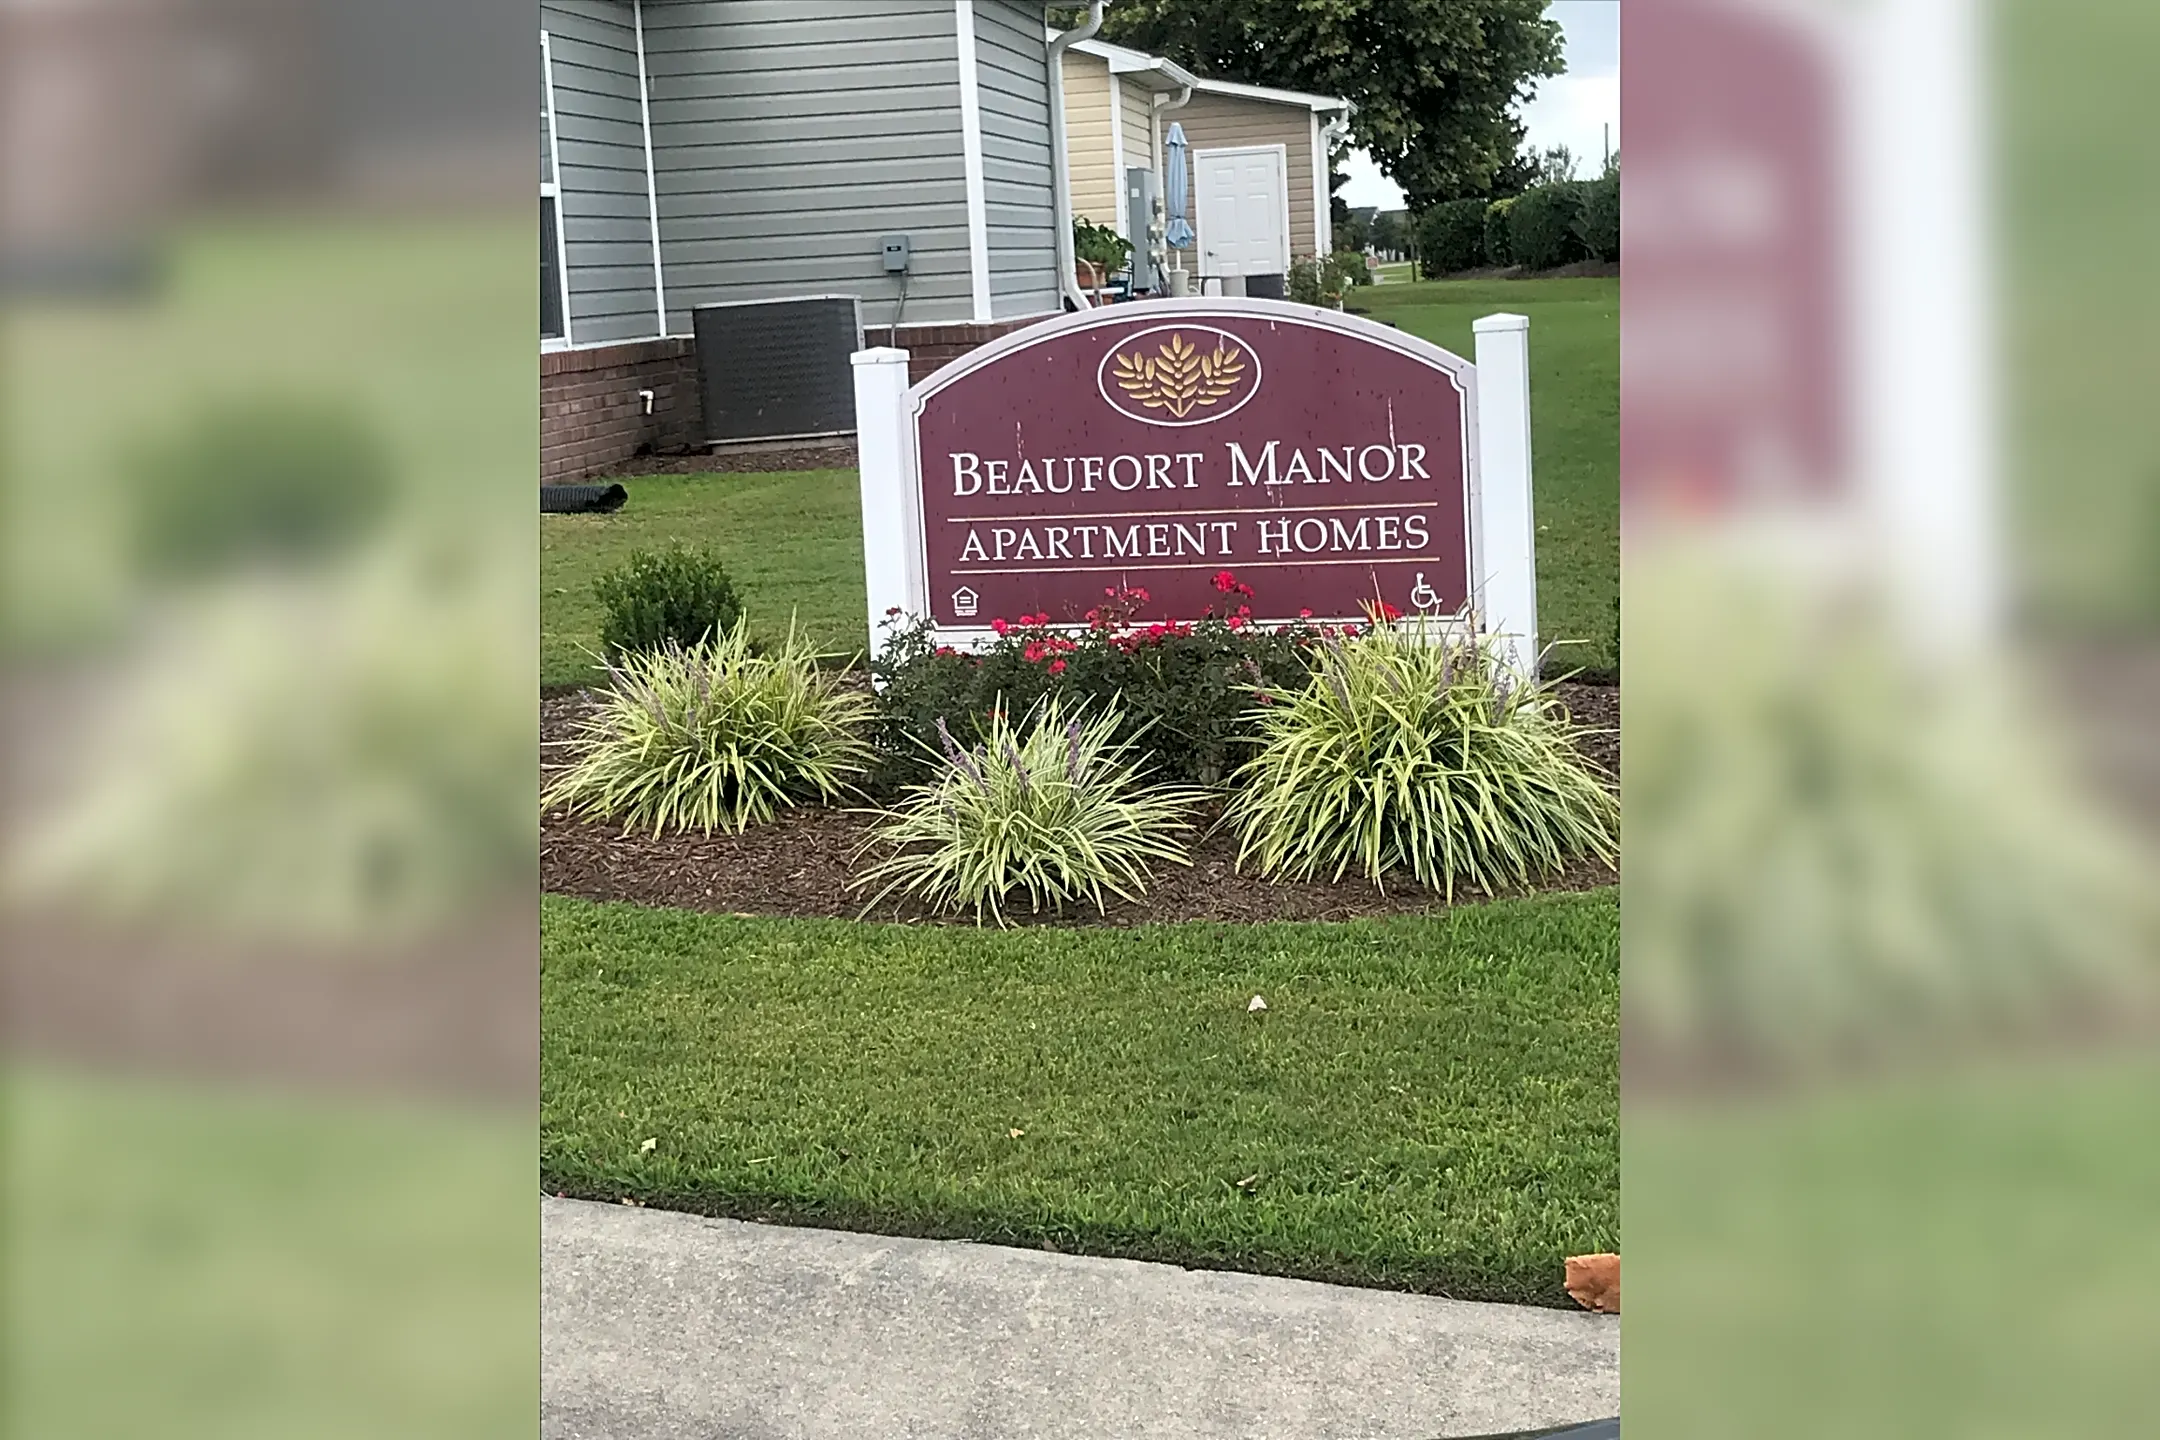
1274, 96
1068, 286
1164, 104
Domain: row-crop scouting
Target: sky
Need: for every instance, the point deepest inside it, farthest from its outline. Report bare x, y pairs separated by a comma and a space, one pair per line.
1571, 109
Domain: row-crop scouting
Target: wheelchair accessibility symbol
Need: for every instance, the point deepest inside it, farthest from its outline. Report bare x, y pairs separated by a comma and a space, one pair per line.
1422, 595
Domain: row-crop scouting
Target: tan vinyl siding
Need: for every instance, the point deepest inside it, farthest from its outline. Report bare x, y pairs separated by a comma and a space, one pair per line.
1087, 138
1221, 122
1137, 117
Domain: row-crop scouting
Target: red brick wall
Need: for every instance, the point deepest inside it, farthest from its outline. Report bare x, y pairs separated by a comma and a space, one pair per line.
931, 346
591, 417
590, 413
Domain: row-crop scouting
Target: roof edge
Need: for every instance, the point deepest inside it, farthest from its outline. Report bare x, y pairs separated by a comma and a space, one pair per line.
1273, 96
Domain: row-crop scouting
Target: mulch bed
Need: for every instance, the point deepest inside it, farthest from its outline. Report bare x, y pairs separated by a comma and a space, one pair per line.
798, 865
759, 461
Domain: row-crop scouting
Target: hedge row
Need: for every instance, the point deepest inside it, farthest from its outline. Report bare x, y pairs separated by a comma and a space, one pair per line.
1540, 229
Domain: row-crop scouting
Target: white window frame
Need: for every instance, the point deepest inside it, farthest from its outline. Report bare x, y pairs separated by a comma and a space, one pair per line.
652, 189
552, 190
1281, 152
1323, 215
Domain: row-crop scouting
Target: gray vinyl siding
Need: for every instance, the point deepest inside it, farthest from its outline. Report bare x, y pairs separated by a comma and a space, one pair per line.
789, 137
607, 229
1012, 70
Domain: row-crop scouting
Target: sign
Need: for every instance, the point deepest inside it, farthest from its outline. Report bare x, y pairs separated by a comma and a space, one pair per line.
1330, 463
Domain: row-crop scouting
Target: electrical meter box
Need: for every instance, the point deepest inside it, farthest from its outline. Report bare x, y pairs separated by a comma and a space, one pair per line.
895, 248
1144, 226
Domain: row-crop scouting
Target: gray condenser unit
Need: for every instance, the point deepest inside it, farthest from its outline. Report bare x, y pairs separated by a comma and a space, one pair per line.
1144, 222
778, 369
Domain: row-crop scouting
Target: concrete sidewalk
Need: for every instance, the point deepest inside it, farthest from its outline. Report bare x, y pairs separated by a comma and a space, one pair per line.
663, 1325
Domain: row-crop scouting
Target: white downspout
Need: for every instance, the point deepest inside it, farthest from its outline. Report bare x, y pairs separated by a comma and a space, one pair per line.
1163, 106
1068, 286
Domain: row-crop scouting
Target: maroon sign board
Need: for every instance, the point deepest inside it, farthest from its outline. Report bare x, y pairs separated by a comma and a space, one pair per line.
1329, 462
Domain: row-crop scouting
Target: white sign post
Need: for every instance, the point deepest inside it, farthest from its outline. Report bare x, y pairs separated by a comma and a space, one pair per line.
1507, 530
891, 518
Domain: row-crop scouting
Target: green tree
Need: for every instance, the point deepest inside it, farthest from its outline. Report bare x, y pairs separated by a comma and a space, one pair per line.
1354, 230
1433, 80
1555, 166
1391, 231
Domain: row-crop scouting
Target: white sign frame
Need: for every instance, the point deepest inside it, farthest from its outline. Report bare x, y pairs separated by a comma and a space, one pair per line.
1495, 392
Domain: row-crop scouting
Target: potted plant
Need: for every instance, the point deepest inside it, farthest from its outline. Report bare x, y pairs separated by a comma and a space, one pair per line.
1098, 251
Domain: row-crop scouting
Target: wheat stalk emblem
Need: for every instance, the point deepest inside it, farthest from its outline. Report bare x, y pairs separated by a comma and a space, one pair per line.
1178, 377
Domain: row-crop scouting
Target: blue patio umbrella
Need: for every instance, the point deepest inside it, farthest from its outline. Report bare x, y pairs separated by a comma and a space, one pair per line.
1176, 230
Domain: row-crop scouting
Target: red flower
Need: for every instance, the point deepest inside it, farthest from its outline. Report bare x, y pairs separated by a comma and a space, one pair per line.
1304, 614
1138, 593
1225, 581
999, 625
1236, 622
1057, 667
1389, 612
892, 610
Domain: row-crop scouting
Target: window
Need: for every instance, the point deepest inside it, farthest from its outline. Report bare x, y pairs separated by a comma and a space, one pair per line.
551, 298
554, 266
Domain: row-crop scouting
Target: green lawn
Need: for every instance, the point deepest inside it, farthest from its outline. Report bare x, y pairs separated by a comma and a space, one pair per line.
1429, 1103
1575, 418
794, 542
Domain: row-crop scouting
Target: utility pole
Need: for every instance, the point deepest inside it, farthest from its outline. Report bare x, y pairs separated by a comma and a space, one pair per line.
1608, 148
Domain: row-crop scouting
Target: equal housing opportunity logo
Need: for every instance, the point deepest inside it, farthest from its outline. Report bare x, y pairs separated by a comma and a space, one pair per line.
1178, 375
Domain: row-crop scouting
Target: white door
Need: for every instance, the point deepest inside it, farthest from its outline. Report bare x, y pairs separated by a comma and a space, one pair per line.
1241, 199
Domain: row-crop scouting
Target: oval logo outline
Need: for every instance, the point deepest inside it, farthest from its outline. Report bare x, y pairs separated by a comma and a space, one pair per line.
1177, 378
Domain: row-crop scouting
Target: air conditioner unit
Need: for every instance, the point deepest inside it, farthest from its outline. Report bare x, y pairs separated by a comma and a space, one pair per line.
778, 369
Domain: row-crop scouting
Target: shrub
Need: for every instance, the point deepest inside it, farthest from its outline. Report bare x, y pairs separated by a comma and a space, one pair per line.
1325, 280
1598, 226
1542, 226
1303, 283
1182, 687
1055, 811
1451, 237
1419, 753
1498, 248
716, 734
657, 598
1344, 270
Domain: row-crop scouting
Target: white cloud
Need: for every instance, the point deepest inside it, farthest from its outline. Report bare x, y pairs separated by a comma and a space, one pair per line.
1365, 185
1575, 111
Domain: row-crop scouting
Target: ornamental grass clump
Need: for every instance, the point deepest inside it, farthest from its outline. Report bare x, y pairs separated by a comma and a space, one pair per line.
717, 735
1052, 810
1418, 753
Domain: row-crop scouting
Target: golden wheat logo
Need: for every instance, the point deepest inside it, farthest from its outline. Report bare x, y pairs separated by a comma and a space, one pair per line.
1181, 378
